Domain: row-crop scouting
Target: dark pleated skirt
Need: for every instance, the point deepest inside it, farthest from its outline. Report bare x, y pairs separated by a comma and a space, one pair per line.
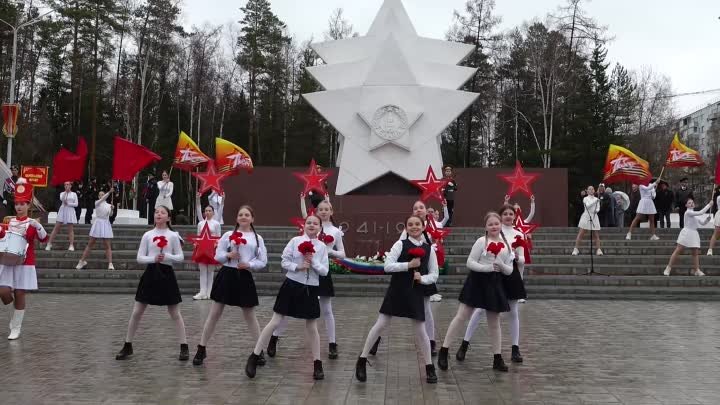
485, 290
234, 287
514, 285
404, 298
158, 286
326, 289
297, 300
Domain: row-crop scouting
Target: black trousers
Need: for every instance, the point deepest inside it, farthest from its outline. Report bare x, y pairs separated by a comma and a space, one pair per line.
682, 211
88, 212
663, 217
451, 209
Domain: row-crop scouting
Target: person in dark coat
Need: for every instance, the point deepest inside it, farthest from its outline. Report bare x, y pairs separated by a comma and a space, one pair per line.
682, 195
151, 193
607, 207
634, 202
664, 204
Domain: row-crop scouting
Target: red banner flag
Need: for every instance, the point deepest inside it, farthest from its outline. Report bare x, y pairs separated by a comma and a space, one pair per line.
231, 158
69, 166
129, 158
717, 170
187, 154
622, 164
10, 112
680, 155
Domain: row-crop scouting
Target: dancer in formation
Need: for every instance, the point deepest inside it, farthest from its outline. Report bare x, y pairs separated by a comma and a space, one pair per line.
716, 222
333, 238
101, 229
491, 257
159, 249
165, 191
16, 280
436, 215
689, 237
206, 266
65, 216
420, 210
241, 251
514, 287
414, 267
646, 208
217, 202
305, 259
589, 221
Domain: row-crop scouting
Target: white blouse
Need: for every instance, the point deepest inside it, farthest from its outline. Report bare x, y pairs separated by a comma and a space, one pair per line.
592, 204
510, 234
691, 221
215, 227
393, 266
292, 259
149, 250
648, 192
336, 249
103, 210
253, 253
69, 198
482, 261
165, 189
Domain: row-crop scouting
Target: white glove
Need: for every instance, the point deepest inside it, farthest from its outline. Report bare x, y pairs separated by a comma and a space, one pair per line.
35, 224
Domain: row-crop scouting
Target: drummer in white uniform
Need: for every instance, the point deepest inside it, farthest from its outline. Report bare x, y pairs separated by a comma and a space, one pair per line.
101, 229
22, 232
65, 216
589, 221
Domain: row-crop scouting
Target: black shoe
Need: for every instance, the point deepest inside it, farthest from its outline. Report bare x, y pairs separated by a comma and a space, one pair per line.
516, 357
332, 351
373, 350
125, 352
433, 351
251, 366
361, 369
460, 355
261, 359
430, 372
184, 352
499, 364
199, 356
272, 346
443, 358
318, 373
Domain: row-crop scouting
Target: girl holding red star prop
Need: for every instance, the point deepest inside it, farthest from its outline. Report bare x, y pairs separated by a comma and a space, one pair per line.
241, 251
159, 250
405, 296
332, 236
16, 280
205, 266
298, 296
491, 257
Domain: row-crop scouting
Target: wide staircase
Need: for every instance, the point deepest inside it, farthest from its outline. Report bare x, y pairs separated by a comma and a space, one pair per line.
628, 270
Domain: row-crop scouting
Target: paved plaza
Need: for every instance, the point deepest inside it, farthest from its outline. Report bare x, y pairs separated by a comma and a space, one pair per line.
576, 352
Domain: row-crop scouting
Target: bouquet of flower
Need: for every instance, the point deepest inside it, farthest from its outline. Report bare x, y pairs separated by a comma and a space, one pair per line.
306, 248
328, 239
161, 242
495, 248
416, 253
237, 239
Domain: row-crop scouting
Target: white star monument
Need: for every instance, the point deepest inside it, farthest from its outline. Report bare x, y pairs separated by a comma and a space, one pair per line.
390, 94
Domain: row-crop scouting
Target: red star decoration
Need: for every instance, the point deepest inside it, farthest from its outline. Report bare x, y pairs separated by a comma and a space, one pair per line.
210, 179
437, 234
525, 228
431, 187
299, 223
205, 245
313, 179
519, 180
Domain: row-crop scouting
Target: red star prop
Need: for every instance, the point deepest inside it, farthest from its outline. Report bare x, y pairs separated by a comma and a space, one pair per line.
210, 179
431, 187
519, 180
299, 223
313, 179
205, 245
437, 234
525, 228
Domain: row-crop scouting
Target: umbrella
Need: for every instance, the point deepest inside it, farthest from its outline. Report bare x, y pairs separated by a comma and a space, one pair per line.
624, 199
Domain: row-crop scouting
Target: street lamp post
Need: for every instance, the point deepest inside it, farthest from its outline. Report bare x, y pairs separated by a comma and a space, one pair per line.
13, 66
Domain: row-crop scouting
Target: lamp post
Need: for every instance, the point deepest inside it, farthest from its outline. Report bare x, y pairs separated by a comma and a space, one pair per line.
13, 66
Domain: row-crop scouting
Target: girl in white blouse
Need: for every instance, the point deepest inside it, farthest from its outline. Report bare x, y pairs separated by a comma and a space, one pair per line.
589, 221
65, 216
298, 296
159, 249
689, 236
165, 191
101, 229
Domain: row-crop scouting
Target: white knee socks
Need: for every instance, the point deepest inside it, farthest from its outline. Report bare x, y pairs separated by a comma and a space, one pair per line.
422, 341
382, 322
429, 320
515, 322
463, 314
252, 322
137, 313
267, 332
313, 337
494, 331
216, 311
327, 315
174, 311
475, 319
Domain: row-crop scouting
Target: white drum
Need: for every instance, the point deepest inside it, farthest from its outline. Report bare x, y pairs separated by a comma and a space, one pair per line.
12, 249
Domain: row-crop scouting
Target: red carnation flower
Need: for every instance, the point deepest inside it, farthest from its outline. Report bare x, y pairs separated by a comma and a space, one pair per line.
306, 248
495, 248
417, 252
328, 239
519, 242
160, 241
237, 238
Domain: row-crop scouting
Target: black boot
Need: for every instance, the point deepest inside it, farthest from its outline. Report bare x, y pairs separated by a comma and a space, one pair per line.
272, 346
184, 352
430, 372
251, 366
261, 359
460, 355
373, 350
332, 351
516, 357
499, 364
318, 373
433, 352
361, 369
200, 355
125, 352
443, 358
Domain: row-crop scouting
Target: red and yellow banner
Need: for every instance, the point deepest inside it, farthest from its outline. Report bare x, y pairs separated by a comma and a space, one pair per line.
622, 164
231, 158
35, 175
10, 114
680, 155
187, 154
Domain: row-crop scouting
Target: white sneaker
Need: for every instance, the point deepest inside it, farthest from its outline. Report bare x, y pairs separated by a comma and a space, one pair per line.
521, 300
14, 333
709, 253
654, 237
81, 264
575, 252
48, 247
435, 298
110, 266
667, 271
16, 324
206, 297
698, 273
199, 296
628, 236
599, 252
71, 248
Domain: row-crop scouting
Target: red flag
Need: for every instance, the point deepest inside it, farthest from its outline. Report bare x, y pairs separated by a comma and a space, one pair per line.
717, 170
69, 166
129, 158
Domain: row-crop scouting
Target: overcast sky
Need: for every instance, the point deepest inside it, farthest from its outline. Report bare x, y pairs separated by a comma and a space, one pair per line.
680, 39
